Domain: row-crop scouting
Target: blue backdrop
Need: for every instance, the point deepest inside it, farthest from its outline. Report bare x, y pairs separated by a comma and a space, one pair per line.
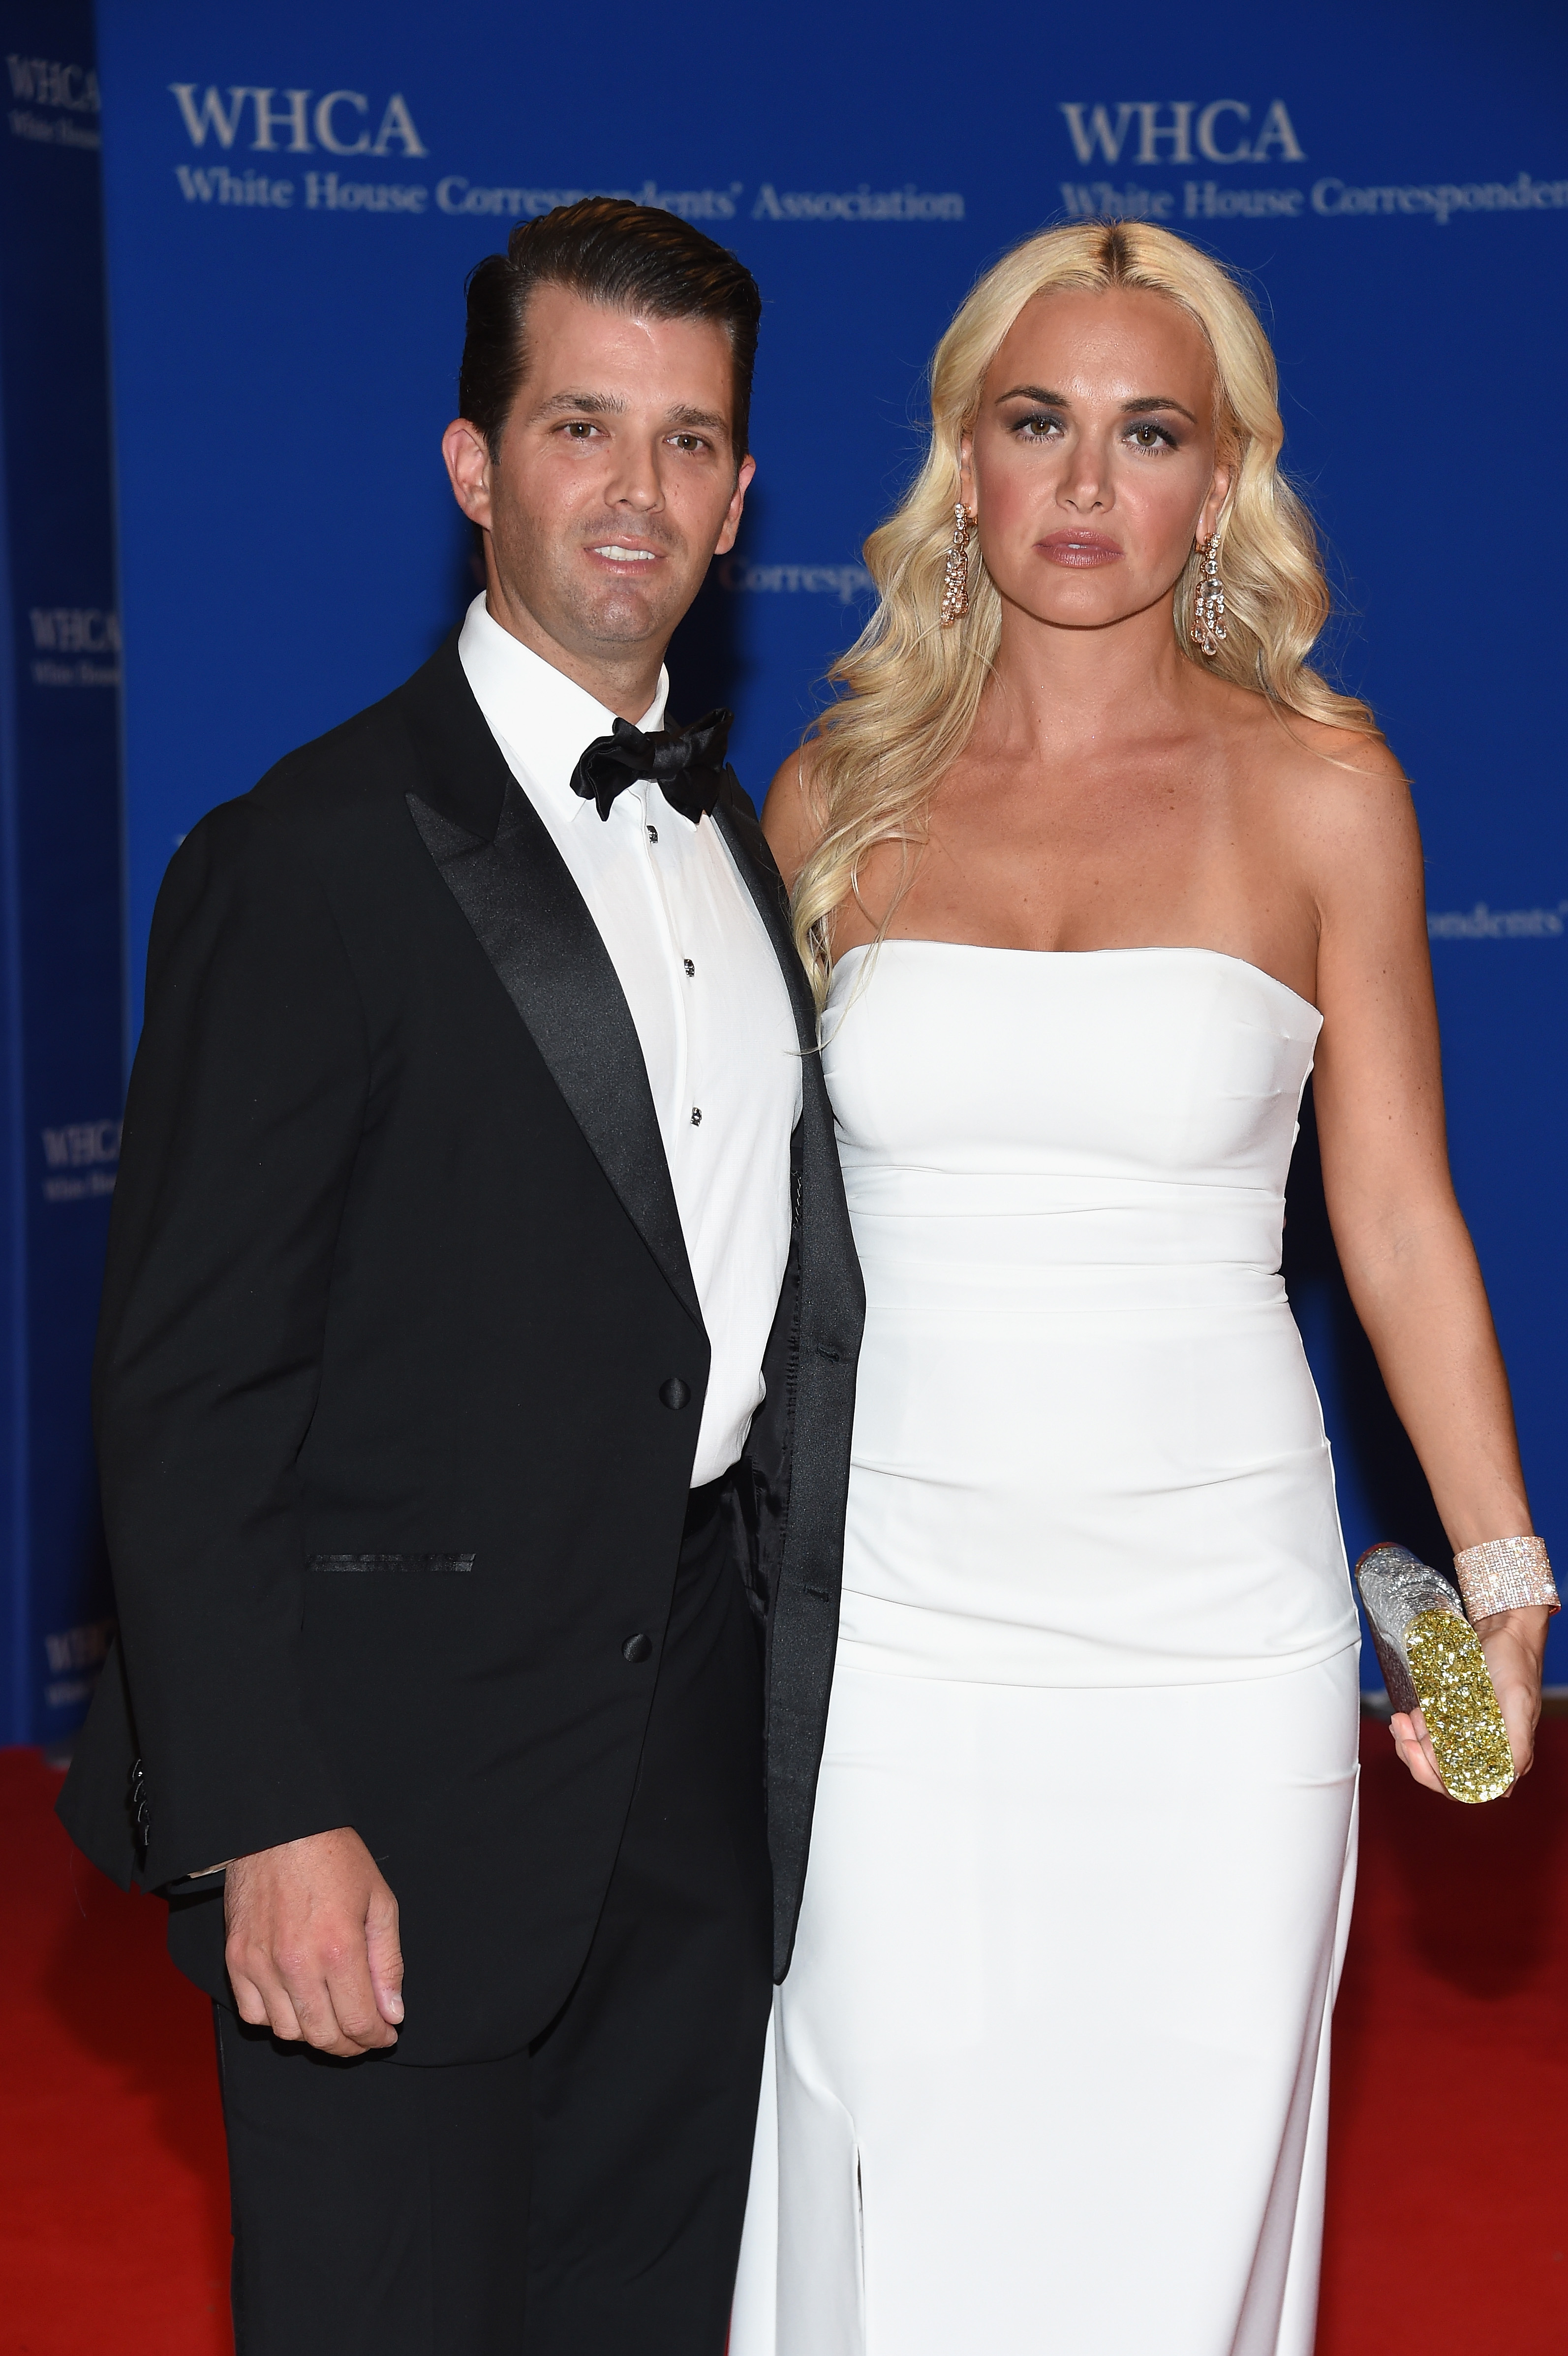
60, 1022
293, 196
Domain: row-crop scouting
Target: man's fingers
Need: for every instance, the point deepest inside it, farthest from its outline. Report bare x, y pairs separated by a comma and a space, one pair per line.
328, 1984
260, 1996
352, 1993
360, 2023
355, 2012
303, 1920
248, 1997
264, 2003
309, 2017
329, 2005
318, 2019
385, 1954
284, 2020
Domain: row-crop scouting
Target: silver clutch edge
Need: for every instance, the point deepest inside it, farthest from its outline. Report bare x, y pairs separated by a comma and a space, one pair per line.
1432, 1661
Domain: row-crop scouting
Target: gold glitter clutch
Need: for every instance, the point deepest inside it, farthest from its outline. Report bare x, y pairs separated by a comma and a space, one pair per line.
1432, 1661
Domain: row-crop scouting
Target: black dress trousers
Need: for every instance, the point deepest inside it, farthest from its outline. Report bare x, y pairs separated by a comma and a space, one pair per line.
583, 2198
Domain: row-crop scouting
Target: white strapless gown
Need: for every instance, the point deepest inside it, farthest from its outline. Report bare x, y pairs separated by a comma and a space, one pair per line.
1049, 2072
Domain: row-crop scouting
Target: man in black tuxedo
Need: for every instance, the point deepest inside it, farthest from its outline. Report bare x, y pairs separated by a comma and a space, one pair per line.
474, 1401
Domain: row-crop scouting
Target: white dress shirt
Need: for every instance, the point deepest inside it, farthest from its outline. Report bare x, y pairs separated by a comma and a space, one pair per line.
705, 994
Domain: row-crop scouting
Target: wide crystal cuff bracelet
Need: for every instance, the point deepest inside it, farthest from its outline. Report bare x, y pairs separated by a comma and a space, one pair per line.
1506, 1575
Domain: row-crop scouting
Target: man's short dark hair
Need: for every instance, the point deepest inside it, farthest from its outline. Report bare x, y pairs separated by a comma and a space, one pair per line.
628, 257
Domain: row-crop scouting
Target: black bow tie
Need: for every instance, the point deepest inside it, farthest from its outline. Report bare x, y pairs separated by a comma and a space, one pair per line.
688, 765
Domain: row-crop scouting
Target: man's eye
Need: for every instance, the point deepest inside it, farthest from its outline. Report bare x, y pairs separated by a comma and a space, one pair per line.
689, 441
579, 428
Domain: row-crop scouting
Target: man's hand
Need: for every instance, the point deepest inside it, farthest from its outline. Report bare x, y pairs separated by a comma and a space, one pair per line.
313, 1947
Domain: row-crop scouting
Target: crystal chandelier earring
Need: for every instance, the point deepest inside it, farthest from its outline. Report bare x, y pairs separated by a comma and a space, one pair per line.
955, 572
1208, 629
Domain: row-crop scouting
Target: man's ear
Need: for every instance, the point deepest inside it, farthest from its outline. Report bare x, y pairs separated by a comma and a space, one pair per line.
731, 524
467, 456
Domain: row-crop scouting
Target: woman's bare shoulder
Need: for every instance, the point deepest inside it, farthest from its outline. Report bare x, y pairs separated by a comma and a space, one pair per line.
1315, 748
792, 819
1342, 798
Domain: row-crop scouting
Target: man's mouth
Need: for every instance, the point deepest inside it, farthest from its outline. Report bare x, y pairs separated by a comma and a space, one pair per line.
615, 554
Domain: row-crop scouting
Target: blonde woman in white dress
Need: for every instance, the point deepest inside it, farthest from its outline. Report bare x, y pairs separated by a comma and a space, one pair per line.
1091, 878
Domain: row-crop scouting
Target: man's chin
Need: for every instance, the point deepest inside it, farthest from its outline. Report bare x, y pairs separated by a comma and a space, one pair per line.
626, 616
599, 619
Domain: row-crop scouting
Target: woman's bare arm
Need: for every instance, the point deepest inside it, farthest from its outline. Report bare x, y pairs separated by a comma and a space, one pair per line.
789, 819
1403, 1246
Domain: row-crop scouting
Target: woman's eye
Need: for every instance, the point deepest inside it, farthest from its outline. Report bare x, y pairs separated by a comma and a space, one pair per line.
1038, 429
1147, 435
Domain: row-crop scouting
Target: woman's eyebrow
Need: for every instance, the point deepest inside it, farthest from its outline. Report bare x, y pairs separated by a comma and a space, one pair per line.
1156, 401
1145, 402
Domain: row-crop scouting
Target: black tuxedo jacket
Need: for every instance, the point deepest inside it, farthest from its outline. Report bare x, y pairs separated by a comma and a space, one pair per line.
400, 1372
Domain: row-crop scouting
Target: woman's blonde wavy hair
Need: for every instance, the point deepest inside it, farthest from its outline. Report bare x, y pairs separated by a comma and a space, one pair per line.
912, 689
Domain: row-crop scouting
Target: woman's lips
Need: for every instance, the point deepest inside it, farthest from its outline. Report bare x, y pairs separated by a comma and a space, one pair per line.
1079, 547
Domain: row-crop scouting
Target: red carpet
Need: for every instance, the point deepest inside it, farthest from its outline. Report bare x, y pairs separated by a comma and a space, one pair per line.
1447, 2228
1448, 2218
113, 2201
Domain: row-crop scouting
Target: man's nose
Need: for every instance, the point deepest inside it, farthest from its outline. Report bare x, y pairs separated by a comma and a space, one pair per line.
636, 481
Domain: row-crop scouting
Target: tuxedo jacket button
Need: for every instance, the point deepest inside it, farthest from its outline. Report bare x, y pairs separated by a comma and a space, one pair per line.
637, 1648
675, 1393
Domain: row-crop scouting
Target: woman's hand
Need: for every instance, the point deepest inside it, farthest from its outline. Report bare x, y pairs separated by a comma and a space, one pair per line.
1413, 1745
1514, 1645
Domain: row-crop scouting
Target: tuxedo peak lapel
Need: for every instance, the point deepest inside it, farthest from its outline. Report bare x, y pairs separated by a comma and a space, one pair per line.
533, 925
462, 769
749, 846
